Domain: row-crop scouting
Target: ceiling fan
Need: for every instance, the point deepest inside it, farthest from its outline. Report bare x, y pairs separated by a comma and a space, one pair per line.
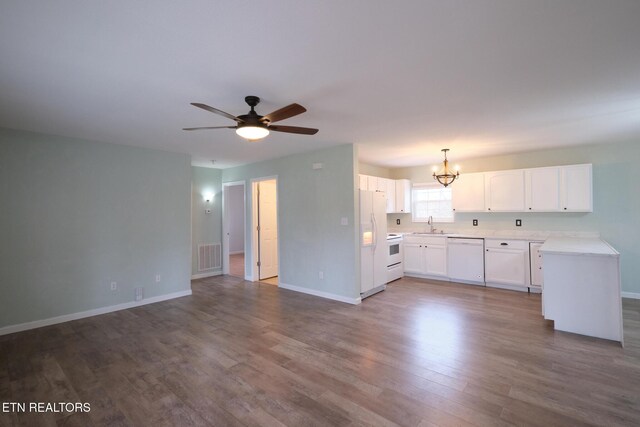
253, 126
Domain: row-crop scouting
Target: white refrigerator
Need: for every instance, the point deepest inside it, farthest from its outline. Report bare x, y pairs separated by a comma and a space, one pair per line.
373, 242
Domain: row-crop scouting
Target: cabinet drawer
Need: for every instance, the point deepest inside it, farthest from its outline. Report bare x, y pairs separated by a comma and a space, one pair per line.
426, 240
506, 244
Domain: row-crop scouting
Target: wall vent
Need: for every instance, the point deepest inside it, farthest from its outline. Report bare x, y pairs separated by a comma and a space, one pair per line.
209, 256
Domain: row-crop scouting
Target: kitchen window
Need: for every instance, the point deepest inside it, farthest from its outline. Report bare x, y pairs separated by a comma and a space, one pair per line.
431, 200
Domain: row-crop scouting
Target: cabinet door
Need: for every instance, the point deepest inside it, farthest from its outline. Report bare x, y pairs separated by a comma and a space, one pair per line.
504, 191
364, 182
506, 266
391, 195
403, 195
413, 258
467, 193
576, 188
536, 265
542, 189
372, 183
436, 260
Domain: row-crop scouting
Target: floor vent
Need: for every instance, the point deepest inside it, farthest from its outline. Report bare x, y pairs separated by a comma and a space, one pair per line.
209, 257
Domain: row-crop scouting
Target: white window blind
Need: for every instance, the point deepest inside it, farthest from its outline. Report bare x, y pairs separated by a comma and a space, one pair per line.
431, 200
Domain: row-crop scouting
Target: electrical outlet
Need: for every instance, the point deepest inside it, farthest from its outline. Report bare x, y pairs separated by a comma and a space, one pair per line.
158, 278
518, 223
475, 222
321, 275
138, 293
114, 286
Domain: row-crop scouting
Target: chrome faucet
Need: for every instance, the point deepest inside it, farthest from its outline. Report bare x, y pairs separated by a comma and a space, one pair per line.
430, 222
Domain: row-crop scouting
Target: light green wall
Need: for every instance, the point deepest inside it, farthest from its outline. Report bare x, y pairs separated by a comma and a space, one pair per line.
616, 199
205, 228
77, 215
310, 206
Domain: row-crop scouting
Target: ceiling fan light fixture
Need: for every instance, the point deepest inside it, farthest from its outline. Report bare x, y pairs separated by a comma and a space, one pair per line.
252, 133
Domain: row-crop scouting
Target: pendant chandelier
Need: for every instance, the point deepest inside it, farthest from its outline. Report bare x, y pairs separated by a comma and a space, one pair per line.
446, 176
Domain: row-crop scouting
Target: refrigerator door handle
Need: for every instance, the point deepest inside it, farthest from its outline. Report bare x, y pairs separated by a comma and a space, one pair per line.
375, 231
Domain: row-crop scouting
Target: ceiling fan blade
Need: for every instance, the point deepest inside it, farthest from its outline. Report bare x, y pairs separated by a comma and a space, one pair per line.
216, 111
284, 113
212, 127
294, 129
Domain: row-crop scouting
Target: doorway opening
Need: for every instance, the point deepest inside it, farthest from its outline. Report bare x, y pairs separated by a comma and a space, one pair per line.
265, 230
234, 229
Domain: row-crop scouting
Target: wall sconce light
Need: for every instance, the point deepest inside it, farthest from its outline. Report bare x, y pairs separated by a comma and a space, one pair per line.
207, 196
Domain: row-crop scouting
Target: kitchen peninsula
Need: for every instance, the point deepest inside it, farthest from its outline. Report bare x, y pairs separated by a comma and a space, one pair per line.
582, 287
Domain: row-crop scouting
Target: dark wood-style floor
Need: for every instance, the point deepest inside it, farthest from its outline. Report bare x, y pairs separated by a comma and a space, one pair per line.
236, 265
235, 353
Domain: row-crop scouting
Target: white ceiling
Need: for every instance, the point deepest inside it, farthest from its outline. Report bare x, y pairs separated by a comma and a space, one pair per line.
401, 78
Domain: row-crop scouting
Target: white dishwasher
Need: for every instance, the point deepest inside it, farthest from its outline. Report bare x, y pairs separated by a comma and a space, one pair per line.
466, 260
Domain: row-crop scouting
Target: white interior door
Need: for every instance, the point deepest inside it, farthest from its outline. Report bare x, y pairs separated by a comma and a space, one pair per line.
268, 228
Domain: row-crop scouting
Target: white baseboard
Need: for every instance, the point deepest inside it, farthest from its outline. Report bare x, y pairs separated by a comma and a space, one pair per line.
203, 275
248, 278
236, 252
89, 313
321, 294
632, 295
517, 288
427, 276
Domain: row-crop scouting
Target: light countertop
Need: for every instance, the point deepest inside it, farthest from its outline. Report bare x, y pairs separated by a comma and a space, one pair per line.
578, 246
509, 234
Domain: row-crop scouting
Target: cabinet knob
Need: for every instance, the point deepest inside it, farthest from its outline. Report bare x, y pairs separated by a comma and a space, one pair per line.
504, 244
529, 208
488, 208
565, 209
487, 250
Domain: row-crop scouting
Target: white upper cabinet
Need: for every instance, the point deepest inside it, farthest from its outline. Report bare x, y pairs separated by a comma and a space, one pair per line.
467, 193
376, 184
403, 196
390, 185
364, 182
548, 189
504, 191
576, 188
542, 189
398, 192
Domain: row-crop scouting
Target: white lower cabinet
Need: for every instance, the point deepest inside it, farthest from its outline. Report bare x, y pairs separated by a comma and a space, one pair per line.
506, 264
425, 256
536, 265
413, 258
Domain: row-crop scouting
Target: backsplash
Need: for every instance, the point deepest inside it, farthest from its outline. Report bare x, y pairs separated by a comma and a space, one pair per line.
558, 223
